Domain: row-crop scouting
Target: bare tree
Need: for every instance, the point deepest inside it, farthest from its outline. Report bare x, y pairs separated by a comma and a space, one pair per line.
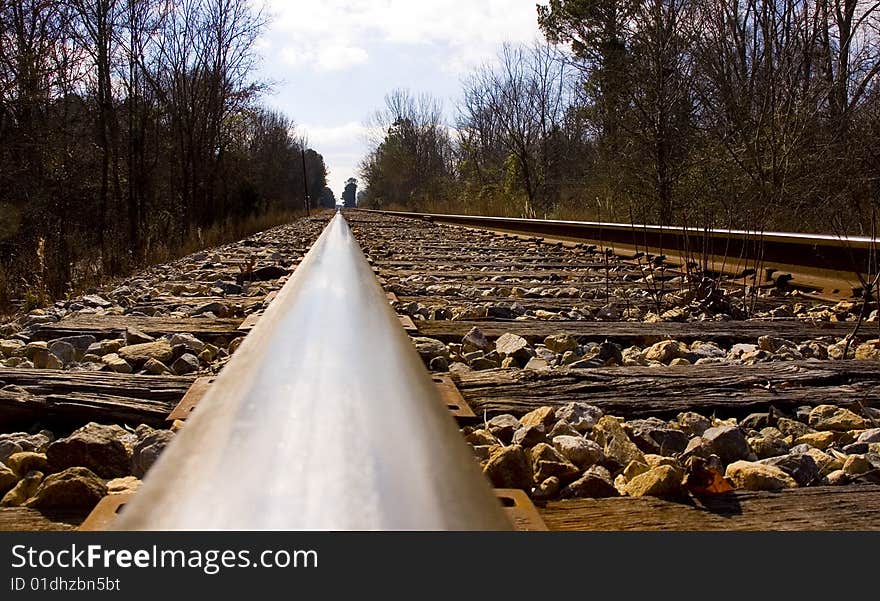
520, 107
123, 124
412, 158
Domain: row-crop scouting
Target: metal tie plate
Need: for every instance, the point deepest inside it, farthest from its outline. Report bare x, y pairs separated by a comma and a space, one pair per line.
193, 395
103, 514
407, 323
520, 509
450, 394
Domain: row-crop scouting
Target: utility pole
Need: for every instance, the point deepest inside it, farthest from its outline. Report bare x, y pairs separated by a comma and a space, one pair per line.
305, 182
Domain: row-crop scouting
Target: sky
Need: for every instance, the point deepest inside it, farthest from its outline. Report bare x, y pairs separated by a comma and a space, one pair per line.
333, 61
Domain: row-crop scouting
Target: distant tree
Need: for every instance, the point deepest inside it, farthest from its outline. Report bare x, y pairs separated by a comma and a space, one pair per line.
316, 175
597, 33
128, 127
413, 160
327, 199
511, 122
350, 193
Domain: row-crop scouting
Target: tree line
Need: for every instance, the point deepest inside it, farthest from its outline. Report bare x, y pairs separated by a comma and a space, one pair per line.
711, 113
130, 129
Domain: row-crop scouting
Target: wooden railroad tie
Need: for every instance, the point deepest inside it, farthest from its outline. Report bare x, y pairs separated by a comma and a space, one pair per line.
449, 394
106, 326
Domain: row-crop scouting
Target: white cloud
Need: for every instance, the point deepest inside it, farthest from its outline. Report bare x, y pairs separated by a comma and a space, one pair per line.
263, 43
324, 58
341, 57
332, 35
333, 136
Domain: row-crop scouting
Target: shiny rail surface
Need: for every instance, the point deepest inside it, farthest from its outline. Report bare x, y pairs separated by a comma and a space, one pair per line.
324, 419
822, 253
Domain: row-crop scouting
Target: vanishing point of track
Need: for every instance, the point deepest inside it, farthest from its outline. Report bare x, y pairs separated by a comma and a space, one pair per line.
594, 389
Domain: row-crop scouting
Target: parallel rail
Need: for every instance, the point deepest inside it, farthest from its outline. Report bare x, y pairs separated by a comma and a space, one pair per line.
825, 260
325, 418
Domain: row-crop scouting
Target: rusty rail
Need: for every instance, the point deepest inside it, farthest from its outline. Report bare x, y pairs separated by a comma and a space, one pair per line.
325, 418
824, 259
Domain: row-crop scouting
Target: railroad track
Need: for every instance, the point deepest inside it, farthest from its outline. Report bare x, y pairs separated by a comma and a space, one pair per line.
821, 263
529, 318
595, 391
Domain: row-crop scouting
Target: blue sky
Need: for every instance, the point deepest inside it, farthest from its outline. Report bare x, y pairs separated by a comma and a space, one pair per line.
334, 61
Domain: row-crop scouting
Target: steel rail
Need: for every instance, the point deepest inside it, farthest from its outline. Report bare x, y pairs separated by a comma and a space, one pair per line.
324, 419
826, 253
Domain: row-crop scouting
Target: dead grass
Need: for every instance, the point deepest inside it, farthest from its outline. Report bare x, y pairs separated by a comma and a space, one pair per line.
221, 233
16, 297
